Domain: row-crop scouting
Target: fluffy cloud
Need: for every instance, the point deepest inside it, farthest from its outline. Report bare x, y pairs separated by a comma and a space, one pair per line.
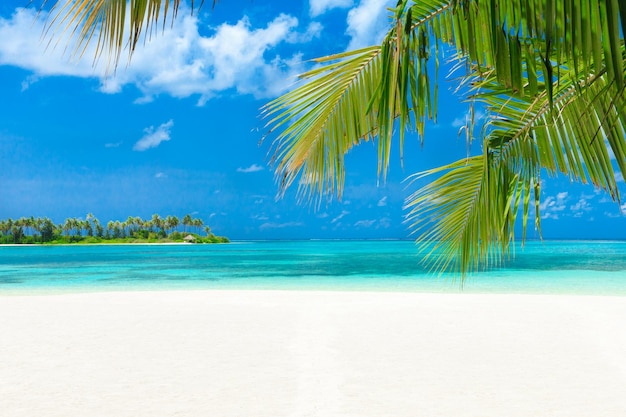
364, 223
382, 223
266, 226
21, 44
251, 168
178, 61
580, 207
552, 206
368, 23
340, 216
463, 121
153, 137
318, 7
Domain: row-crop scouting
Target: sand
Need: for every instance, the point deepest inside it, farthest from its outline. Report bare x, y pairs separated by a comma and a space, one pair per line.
297, 353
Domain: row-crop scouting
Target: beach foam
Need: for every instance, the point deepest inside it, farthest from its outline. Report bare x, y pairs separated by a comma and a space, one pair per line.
299, 353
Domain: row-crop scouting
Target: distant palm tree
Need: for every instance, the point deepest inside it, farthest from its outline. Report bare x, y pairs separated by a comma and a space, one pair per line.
171, 223
88, 228
130, 225
67, 226
187, 221
110, 229
197, 223
90, 223
139, 222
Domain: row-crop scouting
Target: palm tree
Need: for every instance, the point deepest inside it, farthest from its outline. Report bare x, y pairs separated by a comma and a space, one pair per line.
67, 226
171, 223
99, 228
131, 225
90, 222
187, 221
110, 228
550, 74
197, 223
47, 230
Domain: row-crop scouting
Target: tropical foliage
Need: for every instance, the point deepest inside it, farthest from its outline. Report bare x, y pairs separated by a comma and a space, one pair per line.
89, 230
549, 74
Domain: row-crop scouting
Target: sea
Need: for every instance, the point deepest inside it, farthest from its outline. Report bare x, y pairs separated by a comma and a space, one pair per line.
539, 267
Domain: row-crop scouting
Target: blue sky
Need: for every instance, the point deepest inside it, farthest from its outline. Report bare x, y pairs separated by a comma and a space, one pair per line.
177, 129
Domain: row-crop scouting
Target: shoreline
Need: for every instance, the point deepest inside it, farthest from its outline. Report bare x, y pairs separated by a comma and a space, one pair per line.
320, 353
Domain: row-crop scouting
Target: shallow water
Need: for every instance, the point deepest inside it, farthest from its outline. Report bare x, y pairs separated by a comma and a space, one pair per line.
564, 267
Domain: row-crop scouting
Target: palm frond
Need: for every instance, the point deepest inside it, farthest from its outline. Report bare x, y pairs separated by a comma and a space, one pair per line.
330, 121
355, 97
466, 217
537, 38
470, 211
112, 24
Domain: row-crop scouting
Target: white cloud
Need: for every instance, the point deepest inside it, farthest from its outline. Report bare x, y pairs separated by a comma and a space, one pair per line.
619, 177
30, 80
177, 61
313, 31
261, 217
618, 213
112, 144
462, 121
251, 168
552, 206
154, 137
364, 223
382, 202
612, 215
21, 45
384, 223
266, 226
580, 207
368, 23
340, 216
160, 175
318, 7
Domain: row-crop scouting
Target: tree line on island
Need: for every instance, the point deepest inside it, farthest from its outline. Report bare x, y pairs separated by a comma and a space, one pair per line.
31, 230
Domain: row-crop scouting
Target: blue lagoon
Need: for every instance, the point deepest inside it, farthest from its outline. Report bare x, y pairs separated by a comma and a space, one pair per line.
562, 267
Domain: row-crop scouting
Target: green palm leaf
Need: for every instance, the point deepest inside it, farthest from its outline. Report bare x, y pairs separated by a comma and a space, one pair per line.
469, 211
112, 24
355, 97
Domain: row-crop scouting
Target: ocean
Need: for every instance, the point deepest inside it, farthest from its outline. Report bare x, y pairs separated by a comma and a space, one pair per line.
549, 267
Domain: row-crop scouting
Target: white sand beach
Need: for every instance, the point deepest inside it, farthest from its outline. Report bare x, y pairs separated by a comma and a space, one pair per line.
297, 353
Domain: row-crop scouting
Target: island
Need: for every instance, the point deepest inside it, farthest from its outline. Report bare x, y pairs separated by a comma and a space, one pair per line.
157, 229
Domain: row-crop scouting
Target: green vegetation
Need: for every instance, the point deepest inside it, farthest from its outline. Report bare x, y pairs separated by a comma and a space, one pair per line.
37, 230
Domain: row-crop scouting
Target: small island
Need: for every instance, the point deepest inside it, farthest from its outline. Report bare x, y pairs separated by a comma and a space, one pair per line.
158, 229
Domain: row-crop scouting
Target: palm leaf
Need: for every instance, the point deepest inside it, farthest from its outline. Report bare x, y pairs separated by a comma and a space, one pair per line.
469, 212
112, 24
355, 97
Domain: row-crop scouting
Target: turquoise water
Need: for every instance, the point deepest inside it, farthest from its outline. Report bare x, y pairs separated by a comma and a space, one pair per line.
567, 267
